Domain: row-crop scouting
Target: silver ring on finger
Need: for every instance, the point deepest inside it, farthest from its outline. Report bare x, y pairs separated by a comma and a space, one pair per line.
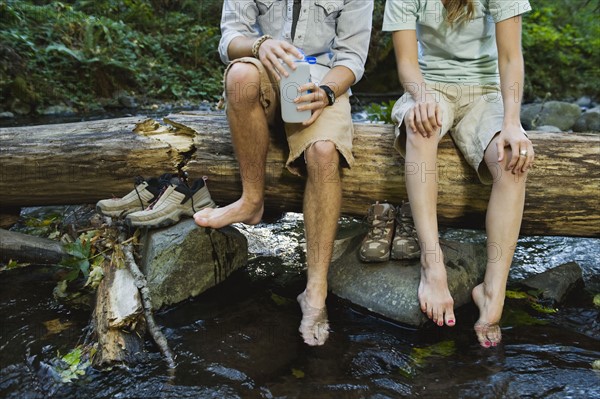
523, 153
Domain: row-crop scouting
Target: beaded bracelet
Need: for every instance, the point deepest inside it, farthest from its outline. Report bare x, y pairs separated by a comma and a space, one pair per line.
258, 42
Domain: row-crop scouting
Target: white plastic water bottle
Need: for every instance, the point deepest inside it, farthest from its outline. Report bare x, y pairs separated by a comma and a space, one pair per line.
288, 90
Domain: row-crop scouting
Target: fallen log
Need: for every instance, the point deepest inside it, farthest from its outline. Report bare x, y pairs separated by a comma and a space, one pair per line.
118, 322
30, 249
88, 161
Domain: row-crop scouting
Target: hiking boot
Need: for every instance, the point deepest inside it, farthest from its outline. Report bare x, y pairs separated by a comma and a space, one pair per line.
376, 245
405, 244
176, 201
143, 194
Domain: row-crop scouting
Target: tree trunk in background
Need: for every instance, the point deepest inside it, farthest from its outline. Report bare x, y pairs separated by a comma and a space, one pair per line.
84, 162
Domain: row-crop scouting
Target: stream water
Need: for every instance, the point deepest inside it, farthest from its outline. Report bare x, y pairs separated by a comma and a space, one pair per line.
240, 339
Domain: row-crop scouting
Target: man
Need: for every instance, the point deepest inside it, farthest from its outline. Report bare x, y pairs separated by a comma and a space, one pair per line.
256, 35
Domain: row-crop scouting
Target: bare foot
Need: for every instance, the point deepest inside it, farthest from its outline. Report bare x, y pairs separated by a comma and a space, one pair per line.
434, 296
490, 310
238, 212
314, 326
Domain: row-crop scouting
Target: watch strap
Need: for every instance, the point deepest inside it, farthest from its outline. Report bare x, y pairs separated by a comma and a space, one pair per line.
330, 94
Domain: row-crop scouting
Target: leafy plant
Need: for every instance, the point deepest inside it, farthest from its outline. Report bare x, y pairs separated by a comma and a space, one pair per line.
82, 51
82, 257
380, 112
561, 46
74, 364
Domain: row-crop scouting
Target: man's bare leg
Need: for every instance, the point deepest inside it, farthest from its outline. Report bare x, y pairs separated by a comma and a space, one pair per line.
322, 202
250, 137
503, 221
422, 187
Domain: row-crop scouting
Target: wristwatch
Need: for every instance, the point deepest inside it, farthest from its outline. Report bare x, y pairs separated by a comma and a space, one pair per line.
330, 94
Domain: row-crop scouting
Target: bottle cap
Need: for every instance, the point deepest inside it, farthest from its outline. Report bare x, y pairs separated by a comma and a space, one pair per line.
311, 60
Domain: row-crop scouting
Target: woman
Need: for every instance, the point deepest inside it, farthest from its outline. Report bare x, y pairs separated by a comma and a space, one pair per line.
461, 65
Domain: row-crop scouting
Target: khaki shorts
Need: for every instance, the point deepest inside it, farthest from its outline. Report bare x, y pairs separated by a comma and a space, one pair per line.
472, 113
334, 124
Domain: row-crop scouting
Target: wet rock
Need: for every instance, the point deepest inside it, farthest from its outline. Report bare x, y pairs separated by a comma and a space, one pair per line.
549, 129
20, 107
589, 121
584, 102
185, 260
556, 283
126, 100
390, 288
554, 113
7, 115
57, 110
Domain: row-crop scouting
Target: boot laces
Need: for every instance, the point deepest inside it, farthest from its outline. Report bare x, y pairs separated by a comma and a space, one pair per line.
377, 225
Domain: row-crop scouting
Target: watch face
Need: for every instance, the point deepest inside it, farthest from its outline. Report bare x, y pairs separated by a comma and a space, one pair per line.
331, 99
330, 94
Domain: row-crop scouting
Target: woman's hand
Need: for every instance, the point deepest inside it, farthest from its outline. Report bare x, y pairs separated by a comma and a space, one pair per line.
271, 51
522, 153
424, 118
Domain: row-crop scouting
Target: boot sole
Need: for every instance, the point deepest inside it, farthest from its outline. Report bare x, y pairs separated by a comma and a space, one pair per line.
372, 260
116, 213
166, 220
416, 255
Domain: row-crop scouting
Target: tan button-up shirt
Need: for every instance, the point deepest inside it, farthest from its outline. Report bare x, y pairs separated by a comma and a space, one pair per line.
336, 32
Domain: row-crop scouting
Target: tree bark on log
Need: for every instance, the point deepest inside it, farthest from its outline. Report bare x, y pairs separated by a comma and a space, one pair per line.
30, 249
89, 161
118, 320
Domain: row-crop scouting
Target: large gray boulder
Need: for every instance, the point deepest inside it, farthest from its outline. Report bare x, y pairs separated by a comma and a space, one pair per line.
553, 113
185, 260
390, 288
556, 283
589, 121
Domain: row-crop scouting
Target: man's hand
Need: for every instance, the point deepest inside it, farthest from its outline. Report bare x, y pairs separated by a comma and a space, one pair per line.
316, 99
425, 118
520, 146
271, 51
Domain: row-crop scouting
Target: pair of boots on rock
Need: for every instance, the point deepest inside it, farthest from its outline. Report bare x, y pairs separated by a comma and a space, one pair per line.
391, 234
158, 201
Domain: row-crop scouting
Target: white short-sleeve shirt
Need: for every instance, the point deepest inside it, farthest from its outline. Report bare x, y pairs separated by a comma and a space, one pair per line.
464, 52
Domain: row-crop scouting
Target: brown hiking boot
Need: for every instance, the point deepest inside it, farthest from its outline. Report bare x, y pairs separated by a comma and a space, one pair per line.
405, 244
376, 245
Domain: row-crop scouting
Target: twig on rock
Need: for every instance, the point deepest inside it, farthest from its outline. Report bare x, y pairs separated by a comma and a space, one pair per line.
142, 285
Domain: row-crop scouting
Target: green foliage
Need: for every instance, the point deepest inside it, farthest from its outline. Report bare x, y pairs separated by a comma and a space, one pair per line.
597, 300
82, 256
380, 112
518, 317
47, 227
76, 52
532, 297
561, 46
84, 52
419, 357
74, 364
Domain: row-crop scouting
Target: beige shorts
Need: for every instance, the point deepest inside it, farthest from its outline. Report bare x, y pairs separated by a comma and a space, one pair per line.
334, 124
472, 113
